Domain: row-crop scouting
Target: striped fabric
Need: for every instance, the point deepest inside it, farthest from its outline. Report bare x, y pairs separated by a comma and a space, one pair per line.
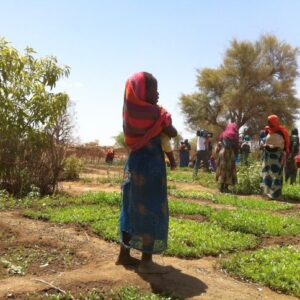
141, 120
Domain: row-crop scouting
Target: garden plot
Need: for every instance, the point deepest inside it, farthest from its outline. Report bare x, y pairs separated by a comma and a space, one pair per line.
197, 277
277, 267
6, 235
19, 259
187, 238
80, 221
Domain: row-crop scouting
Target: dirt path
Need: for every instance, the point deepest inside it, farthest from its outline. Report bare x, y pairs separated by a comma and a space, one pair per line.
76, 188
189, 279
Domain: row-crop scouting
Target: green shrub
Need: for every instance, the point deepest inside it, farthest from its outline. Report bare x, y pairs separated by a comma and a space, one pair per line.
72, 168
249, 179
35, 125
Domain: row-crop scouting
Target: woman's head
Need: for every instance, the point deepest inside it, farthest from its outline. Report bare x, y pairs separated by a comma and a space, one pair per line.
232, 126
294, 131
273, 121
274, 127
144, 85
231, 132
262, 134
247, 138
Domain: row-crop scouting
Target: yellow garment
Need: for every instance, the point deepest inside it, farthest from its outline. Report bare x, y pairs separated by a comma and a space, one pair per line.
275, 140
165, 142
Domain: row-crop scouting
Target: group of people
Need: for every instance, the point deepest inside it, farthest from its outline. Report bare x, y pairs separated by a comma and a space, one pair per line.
147, 130
279, 156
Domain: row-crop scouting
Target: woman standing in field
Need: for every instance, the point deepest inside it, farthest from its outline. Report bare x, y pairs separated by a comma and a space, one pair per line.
277, 142
144, 215
226, 151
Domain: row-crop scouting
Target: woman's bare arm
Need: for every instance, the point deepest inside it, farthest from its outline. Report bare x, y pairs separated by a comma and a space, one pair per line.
170, 131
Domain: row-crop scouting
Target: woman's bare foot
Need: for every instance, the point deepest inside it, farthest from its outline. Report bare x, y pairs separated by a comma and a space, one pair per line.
149, 267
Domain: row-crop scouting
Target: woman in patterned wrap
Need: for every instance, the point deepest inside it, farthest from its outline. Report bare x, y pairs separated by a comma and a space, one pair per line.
144, 214
276, 145
227, 150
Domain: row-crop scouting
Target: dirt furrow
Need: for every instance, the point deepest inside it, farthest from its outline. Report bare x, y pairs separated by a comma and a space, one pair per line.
188, 279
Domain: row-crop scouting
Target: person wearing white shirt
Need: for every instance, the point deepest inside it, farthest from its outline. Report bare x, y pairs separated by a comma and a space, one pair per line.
202, 151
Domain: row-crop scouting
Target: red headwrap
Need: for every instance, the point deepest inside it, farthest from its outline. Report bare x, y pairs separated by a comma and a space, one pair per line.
274, 121
141, 120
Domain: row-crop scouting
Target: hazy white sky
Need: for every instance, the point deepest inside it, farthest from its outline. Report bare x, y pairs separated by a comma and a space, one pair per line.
104, 42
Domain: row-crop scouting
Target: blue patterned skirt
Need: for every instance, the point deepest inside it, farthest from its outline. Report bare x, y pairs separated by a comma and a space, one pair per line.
144, 212
272, 173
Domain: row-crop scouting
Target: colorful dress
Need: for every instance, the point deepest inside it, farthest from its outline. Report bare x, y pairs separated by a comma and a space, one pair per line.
226, 168
272, 172
144, 213
276, 146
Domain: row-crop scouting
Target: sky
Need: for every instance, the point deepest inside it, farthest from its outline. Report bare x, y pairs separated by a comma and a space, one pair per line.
104, 42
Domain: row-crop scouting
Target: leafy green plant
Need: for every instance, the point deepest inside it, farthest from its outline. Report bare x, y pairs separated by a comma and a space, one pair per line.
203, 178
34, 192
183, 207
12, 268
191, 239
278, 268
291, 192
234, 200
72, 166
251, 203
4, 194
130, 293
256, 222
249, 179
112, 179
109, 198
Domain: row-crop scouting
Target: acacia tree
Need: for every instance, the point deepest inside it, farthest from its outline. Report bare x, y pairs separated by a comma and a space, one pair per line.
29, 115
255, 80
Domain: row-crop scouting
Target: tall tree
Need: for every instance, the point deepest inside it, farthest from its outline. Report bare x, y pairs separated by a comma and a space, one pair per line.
254, 80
